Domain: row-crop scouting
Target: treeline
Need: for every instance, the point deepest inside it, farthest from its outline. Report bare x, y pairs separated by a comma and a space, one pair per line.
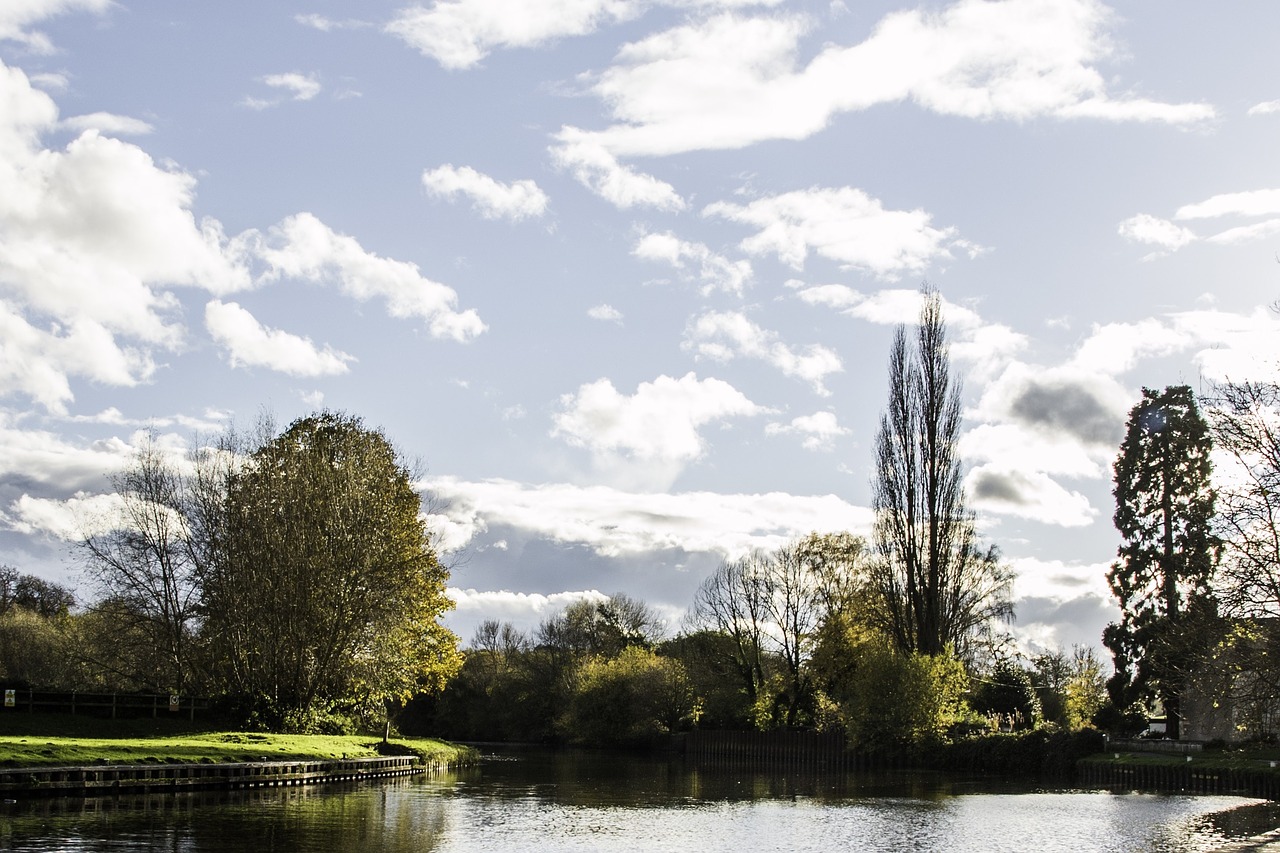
290, 576
602, 672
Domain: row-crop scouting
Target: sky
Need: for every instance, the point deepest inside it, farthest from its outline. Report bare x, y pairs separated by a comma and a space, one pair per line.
620, 277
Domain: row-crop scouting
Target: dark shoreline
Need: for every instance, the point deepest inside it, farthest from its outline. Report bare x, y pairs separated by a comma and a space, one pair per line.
107, 779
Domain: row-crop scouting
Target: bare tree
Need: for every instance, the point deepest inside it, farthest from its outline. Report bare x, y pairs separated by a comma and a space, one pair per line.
144, 562
935, 586
733, 601
1244, 419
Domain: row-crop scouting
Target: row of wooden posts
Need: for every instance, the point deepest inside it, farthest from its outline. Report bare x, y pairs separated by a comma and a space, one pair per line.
111, 705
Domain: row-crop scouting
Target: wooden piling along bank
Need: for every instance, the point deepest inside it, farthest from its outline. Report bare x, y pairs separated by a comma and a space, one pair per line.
1260, 782
96, 780
780, 750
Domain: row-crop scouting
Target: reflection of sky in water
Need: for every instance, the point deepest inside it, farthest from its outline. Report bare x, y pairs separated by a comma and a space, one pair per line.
575, 802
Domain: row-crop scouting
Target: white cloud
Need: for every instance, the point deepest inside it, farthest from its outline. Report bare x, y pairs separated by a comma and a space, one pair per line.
818, 431
652, 434
1154, 231
616, 523
493, 200
302, 87
93, 238
984, 347
605, 313
250, 344
17, 16
1249, 203
303, 247
1027, 494
325, 25
599, 171
727, 335
729, 81
845, 225
714, 271
1265, 108
42, 457
1144, 228
1246, 233
107, 123
1115, 348
522, 609
460, 33
68, 520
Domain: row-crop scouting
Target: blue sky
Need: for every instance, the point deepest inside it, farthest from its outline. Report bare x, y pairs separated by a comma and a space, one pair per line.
622, 274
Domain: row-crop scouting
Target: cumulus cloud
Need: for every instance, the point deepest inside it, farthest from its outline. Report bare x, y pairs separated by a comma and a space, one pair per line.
303, 247
1154, 231
845, 225
1250, 203
728, 81
491, 199
1265, 108
614, 523
94, 238
654, 433
66, 520
1170, 237
818, 431
301, 87
1027, 494
17, 18
605, 313
41, 458
522, 609
108, 123
713, 271
460, 33
984, 347
250, 344
599, 171
725, 335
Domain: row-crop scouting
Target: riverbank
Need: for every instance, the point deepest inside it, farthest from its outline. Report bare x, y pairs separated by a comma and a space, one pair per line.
65, 755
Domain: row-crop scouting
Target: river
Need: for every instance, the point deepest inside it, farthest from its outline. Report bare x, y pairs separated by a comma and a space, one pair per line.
570, 801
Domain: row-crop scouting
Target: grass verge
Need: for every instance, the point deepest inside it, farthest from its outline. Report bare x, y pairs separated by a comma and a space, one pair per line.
53, 740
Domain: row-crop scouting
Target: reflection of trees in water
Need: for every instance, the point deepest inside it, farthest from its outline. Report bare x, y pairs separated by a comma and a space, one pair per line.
399, 815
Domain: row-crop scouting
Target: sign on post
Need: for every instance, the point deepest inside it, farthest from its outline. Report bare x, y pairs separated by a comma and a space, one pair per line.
174, 701
11, 698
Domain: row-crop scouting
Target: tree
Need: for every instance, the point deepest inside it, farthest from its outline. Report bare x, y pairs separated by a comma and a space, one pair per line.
732, 602
28, 592
143, 559
935, 586
326, 593
1244, 421
1164, 512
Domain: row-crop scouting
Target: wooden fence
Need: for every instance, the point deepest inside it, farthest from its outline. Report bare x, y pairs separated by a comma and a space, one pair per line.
781, 750
111, 705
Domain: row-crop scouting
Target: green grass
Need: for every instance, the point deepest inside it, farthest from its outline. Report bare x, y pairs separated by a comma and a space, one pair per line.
33, 740
1239, 759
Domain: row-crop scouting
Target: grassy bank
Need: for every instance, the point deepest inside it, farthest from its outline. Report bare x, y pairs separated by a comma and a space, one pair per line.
46, 740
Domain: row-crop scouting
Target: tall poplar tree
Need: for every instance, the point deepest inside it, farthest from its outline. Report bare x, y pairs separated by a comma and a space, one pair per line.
934, 585
1164, 512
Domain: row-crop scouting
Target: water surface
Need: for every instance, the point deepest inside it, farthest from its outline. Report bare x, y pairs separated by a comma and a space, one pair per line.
536, 800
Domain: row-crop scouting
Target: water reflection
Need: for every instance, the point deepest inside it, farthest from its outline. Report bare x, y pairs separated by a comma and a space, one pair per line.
579, 801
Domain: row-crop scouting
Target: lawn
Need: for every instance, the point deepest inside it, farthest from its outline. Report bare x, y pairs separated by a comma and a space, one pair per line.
32, 740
